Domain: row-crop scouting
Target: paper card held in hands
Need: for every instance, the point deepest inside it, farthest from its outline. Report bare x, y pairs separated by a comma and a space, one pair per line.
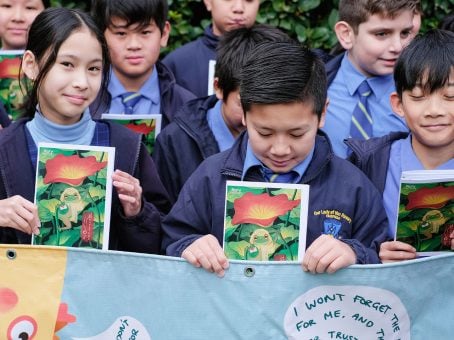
426, 210
265, 221
74, 193
148, 125
10, 92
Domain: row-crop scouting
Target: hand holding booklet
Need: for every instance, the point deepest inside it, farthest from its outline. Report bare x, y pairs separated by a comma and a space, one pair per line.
426, 210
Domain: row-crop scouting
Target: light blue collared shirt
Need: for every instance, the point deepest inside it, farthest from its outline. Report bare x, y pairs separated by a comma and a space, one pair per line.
401, 158
251, 160
343, 99
150, 103
219, 128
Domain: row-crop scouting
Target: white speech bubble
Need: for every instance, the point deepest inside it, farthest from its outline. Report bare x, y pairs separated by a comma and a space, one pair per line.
124, 327
347, 312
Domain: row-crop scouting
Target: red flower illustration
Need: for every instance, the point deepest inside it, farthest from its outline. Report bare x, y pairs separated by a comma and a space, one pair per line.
141, 128
261, 209
9, 68
434, 198
71, 170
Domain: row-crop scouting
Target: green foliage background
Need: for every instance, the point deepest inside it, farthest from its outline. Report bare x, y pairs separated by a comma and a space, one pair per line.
310, 21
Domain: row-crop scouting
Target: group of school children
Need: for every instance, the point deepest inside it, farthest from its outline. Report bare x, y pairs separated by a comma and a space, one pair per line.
348, 127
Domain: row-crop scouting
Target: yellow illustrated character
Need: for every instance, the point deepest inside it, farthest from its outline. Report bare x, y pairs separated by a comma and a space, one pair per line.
72, 204
262, 240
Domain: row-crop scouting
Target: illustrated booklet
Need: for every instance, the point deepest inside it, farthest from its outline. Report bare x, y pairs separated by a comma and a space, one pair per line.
265, 221
426, 210
74, 194
149, 125
10, 92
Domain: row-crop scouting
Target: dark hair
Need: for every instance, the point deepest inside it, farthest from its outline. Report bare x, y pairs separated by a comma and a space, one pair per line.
48, 32
447, 23
355, 12
283, 72
46, 3
428, 60
233, 48
140, 12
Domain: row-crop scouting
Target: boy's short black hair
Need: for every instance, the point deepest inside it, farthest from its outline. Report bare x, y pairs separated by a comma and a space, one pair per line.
140, 12
46, 3
233, 49
355, 12
427, 61
283, 72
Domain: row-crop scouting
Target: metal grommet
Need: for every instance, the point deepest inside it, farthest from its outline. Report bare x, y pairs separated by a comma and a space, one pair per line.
249, 271
11, 254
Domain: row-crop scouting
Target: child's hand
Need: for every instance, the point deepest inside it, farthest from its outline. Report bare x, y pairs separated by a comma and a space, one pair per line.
327, 254
207, 253
129, 192
16, 212
394, 251
452, 240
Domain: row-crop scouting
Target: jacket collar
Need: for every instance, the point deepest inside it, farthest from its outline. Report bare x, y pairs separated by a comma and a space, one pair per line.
323, 154
209, 39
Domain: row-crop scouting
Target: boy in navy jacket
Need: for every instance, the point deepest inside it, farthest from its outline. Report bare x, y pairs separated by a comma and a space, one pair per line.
283, 95
190, 62
424, 78
373, 33
135, 31
208, 125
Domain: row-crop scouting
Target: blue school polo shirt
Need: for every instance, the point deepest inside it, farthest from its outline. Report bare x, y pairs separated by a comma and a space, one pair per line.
251, 160
401, 158
150, 103
219, 128
343, 99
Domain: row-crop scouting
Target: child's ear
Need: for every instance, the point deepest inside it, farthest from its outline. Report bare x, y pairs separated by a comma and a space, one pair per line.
207, 5
217, 90
321, 123
30, 65
345, 34
165, 34
396, 104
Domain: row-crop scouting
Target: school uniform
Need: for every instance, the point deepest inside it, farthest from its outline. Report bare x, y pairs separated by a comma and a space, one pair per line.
171, 97
189, 63
344, 80
141, 233
197, 132
383, 160
337, 190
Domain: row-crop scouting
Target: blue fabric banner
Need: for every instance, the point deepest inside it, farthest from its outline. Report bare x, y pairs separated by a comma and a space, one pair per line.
85, 294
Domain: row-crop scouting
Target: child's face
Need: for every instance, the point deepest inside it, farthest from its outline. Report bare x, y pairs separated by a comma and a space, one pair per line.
379, 42
430, 117
282, 135
232, 112
231, 14
73, 82
16, 16
134, 50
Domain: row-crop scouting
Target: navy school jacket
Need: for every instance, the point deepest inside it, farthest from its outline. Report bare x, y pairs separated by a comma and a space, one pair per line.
337, 188
184, 144
172, 97
141, 233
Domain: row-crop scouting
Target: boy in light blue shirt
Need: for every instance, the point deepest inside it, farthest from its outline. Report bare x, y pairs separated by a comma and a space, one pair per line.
424, 77
373, 34
135, 31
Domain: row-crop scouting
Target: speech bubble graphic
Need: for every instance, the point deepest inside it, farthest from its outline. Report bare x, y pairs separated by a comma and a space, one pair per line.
347, 312
124, 327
